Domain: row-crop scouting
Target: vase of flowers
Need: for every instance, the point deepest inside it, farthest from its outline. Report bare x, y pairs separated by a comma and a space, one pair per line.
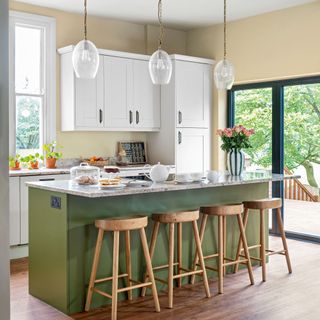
233, 141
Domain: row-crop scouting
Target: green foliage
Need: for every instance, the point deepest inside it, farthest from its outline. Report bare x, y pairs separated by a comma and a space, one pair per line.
301, 121
33, 158
28, 123
51, 150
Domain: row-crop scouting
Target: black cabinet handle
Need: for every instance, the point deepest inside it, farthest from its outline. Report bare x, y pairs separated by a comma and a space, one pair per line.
130, 117
179, 137
137, 117
47, 179
179, 117
100, 115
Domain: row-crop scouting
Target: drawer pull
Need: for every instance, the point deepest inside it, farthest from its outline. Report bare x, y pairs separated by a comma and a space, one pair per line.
47, 179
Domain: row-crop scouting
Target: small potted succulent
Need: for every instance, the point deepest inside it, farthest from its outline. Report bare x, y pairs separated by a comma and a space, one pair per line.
33, 160
51, 154
14, 162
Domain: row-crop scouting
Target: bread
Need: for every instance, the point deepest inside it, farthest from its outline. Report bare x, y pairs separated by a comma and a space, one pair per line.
108, 182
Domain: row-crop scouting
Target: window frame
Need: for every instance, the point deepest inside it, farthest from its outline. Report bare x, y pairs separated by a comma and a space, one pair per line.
277, 87
48, 117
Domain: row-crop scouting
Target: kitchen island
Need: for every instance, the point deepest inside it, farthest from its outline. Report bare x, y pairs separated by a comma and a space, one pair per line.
62, 235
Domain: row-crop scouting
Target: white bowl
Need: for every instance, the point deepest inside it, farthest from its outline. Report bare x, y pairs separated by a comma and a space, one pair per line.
196, 176
183, 177
213, 175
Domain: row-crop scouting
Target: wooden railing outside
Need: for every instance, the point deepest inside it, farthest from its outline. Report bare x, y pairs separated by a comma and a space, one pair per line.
295, 190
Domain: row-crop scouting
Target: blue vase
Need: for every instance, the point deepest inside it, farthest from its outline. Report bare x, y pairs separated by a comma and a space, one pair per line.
235, 162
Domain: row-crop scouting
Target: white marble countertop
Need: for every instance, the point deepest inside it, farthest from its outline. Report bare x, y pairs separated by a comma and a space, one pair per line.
95, 191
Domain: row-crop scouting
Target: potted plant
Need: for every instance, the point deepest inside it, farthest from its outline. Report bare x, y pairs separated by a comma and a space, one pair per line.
14, 162
32, 160
233, 141
51, 154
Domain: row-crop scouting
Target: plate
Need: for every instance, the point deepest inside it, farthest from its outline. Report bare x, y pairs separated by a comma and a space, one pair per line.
113, 186
184, 181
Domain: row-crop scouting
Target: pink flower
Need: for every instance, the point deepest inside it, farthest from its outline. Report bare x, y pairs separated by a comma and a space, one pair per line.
228, 132
246, 132
219, 132
252, 131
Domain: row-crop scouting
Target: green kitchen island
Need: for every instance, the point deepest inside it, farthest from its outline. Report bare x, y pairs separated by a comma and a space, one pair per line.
62, 235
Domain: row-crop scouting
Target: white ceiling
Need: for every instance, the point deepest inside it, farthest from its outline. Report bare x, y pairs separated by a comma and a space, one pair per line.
184, 14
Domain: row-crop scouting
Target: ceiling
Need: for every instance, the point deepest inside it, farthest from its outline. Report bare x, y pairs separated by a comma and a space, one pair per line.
183, 14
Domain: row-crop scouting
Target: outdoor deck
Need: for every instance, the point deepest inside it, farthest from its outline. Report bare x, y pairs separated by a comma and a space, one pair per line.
302, 216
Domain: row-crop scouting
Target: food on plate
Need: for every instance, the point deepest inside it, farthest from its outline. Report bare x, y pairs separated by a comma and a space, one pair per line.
111, 169
85, 180
108, 182
94, 158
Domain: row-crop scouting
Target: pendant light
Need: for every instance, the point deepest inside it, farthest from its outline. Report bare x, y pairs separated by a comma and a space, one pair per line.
160, 65
85, 56
224, 71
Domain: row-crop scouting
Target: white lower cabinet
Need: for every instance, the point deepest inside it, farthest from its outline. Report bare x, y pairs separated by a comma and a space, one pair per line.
19, 204
14, 205
192, 150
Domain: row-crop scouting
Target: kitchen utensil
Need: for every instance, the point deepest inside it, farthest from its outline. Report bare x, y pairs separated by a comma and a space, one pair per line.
158, 172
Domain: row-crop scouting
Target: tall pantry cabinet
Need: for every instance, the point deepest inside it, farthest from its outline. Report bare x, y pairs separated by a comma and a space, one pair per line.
184, 137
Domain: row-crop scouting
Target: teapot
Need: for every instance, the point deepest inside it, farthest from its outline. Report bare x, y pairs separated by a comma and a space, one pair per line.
158, 173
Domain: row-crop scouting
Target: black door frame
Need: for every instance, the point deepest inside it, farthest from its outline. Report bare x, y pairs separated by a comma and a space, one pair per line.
277, 136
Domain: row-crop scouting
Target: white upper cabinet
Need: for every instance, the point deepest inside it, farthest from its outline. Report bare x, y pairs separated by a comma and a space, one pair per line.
146, 97
193, 87
121, 97
118, 89
89, 101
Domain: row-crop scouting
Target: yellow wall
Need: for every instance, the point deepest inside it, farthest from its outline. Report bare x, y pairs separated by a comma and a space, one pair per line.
277, 45
106, 34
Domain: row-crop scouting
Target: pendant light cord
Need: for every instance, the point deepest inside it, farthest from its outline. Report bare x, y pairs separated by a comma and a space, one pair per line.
225, 29
85, 20
160, 23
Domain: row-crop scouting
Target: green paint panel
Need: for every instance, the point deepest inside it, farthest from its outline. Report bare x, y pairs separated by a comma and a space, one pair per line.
76, 239
48, 257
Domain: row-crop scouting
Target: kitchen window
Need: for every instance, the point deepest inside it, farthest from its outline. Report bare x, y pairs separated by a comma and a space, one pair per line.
32, 82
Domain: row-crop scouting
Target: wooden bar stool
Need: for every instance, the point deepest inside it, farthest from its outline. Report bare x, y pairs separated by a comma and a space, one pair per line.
171, 219
116, 225
222, 212
263, 205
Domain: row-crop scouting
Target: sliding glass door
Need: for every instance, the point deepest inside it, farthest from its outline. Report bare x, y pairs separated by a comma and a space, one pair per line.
286, 117
302, 156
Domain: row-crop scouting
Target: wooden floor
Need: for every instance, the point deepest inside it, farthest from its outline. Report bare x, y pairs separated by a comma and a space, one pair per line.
282, 297
302, 216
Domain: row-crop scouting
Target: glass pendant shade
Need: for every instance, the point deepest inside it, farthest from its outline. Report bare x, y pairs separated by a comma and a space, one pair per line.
85, 60
224, 75
160, 67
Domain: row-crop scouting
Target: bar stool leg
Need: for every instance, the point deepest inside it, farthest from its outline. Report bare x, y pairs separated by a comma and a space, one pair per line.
179, 251
221, 254
245, 248
224, 242
115, 274
94, 269
128, 263
170, 263
263, 246
154, 236
245, 221
200, 255
284, 240
201, 234
149, 268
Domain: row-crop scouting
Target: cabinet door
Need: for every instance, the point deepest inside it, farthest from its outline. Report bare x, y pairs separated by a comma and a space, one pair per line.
24, 203
14, 209
118, 88
193, 94
146, 97
89, 101
192, 150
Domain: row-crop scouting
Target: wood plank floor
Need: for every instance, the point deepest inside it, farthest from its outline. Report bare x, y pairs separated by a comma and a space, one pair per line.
282, 297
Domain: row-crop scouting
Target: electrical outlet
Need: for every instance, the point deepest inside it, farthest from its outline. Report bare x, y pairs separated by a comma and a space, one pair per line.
55, 202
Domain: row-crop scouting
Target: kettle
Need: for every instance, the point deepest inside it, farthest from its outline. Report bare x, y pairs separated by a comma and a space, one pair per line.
158, 172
